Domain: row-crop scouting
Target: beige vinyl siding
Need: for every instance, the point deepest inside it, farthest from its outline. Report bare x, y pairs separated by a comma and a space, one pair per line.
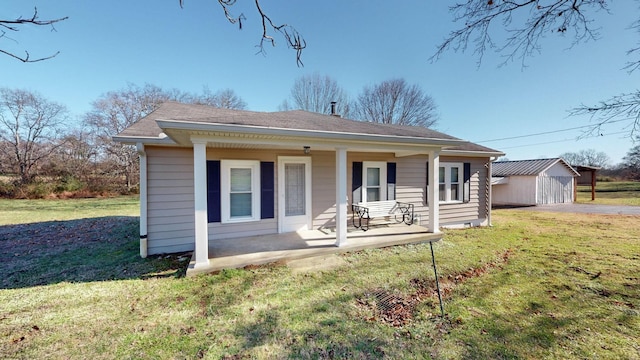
475, 209
170, 200
251, 228
323, 193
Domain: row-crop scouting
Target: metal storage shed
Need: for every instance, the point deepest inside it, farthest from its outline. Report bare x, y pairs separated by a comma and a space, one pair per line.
533, 182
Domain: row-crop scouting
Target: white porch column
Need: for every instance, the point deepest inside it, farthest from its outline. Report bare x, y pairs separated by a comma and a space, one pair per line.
341, 196
434, 191
143, 199
200, 203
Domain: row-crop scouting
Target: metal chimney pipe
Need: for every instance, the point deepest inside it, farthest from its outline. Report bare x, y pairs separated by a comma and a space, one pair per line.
333, 108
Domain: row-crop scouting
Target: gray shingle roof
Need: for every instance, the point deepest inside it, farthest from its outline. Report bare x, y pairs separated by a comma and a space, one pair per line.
525, 167
296, 120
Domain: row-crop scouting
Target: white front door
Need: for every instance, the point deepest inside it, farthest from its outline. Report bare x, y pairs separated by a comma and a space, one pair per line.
294, 193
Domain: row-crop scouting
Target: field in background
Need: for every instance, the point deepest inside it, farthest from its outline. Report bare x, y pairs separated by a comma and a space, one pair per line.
611, 193
533, 286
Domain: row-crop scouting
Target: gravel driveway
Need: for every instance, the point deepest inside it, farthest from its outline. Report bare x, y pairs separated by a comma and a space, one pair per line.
586, 209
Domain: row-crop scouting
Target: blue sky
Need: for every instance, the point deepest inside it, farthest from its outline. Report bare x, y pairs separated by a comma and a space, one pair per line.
104, 45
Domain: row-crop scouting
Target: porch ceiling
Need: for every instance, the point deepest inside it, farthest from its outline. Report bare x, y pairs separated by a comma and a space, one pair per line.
244, 140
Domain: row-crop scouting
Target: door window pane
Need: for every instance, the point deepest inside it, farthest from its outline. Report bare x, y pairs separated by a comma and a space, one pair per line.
294, 189
373, 194
373, 177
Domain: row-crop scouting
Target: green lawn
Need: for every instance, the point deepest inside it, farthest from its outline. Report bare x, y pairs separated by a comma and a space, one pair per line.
31, 211
535, 285
611, 193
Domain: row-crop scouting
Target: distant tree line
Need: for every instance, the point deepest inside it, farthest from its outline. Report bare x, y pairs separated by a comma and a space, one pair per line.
628, 169
43, 153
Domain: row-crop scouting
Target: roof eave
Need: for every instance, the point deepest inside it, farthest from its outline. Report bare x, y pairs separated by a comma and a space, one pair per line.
469, 153
334, 135
154, 140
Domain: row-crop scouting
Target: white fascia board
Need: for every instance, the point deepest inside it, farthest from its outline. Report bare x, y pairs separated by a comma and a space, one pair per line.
565, 164
463, 153
152, 140
313, 134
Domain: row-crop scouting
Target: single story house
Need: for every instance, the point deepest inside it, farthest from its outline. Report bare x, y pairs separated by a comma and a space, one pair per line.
209, 174
533, 182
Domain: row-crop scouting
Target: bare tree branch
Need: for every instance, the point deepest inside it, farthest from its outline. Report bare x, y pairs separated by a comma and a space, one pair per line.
619, 108
292, 37
15, 24
633, 65
525, 21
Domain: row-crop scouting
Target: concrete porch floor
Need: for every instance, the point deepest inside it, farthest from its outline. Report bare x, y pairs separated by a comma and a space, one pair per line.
263, 249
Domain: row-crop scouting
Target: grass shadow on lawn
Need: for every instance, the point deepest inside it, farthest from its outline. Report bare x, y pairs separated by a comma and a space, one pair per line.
85, 250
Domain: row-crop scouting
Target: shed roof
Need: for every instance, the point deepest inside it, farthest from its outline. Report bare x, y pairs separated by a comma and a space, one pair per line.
527, 167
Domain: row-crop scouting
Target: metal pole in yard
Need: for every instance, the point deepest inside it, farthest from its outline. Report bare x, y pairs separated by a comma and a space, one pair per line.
435, 271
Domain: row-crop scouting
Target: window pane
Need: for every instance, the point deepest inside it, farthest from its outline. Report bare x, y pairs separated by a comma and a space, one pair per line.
455, 195
443, 195
373, 194
240, 205
441, 175
454, 174
373, 177
295, 191
240, 180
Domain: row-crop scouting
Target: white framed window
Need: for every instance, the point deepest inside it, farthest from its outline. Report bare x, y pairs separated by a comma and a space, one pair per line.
450, 182
374, 181
240, 190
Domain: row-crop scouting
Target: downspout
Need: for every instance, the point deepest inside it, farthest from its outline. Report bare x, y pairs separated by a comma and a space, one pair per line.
490, 190
143, 199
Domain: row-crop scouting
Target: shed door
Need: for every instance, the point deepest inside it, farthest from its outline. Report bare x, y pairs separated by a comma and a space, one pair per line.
555, 189
294, 189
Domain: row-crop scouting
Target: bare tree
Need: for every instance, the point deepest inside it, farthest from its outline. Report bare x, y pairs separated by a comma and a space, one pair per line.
588, 157
117, 110
396, 102
631, 162
315, 93
526, 22
76, 156
14, 25
224, 99
114, 112
29, 129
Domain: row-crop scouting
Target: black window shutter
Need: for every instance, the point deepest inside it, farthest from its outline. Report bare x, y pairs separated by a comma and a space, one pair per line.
391, 181
466, 192
267, 192
213, 191
356, 182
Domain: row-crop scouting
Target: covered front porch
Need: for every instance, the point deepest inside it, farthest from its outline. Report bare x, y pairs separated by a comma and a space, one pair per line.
263, 249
